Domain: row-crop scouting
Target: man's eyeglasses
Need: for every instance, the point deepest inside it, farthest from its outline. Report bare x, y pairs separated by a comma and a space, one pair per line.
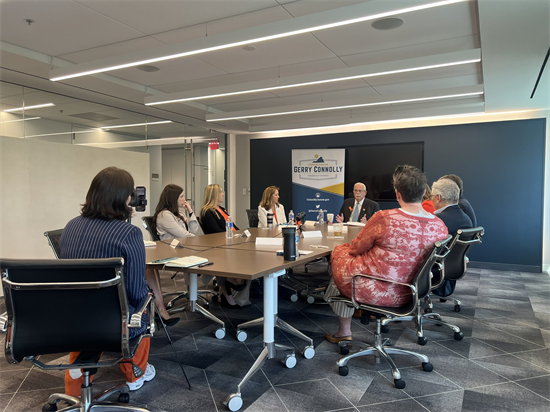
359, 191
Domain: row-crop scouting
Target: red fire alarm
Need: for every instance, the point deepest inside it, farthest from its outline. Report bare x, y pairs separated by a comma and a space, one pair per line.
214, 145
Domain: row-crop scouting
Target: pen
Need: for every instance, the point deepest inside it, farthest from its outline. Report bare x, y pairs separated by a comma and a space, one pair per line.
205, 264
164, 260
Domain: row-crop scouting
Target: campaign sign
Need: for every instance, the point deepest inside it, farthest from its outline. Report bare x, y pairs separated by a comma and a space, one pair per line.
317, 181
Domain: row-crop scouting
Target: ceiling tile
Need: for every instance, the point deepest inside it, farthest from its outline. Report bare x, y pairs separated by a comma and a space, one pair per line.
170, 14
429, 84
61, 26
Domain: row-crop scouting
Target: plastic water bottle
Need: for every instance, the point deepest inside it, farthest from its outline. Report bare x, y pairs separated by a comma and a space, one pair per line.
291, 218
229, 228
321, 217
297, 240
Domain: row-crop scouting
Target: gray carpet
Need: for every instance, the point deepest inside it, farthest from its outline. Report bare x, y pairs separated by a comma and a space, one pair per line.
502, 364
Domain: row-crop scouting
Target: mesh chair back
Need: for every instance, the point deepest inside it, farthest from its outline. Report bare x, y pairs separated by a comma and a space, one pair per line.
422, 280
64, 305
455, 263
53, 237
151, 227
252, 217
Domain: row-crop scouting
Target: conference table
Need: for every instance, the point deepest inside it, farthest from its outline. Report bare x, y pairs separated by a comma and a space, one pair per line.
242, 258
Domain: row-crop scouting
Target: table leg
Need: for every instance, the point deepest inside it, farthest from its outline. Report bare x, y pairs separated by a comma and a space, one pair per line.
194, 307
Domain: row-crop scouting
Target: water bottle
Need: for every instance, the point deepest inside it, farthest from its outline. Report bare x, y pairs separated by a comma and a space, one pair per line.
321, 217
229, 229
291, 218
297, 240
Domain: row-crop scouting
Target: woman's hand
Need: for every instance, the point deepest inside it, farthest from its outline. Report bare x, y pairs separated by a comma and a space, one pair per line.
187, 207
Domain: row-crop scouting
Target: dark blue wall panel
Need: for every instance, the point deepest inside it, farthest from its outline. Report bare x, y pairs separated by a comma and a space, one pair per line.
501, 164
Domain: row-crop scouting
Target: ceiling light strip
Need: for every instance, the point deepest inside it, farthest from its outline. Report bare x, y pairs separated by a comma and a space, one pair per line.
37, 106
146, 142
351, 106
62, 133
299, 25
135, 124
20, 120
410, 65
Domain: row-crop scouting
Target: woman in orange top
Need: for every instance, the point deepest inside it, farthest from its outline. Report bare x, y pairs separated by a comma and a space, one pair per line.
427, 203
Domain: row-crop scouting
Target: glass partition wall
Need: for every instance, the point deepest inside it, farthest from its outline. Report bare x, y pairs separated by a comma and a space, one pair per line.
179, 153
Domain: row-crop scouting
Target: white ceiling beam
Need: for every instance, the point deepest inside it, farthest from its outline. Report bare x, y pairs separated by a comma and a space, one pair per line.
393, 99
379, 117
350, 73
371, 10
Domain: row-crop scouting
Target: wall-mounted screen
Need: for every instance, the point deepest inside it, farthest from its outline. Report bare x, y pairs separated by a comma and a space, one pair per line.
373, 165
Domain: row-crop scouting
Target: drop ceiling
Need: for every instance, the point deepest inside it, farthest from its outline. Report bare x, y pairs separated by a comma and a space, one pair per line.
72, 32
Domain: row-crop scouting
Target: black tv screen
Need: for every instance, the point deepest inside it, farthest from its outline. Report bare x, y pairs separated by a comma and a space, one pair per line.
373, 165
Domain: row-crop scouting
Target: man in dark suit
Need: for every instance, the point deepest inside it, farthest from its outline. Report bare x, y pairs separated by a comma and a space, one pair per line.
445, 195
358, 208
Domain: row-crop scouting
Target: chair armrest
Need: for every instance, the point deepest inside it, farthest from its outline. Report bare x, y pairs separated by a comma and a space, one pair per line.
135, 320
355, 304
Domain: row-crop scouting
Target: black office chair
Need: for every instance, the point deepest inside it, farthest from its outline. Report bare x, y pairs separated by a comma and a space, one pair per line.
82, 308
420, 287
455, 265
151, 227
53, 237
252, 215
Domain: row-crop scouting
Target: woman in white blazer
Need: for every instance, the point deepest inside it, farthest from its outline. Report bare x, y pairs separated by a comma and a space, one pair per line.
170, 221
270, 204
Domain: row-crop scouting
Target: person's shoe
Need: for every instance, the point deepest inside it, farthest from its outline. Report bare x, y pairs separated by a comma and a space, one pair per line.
335, 339
225, 303
149, 374
357, 313
168, 322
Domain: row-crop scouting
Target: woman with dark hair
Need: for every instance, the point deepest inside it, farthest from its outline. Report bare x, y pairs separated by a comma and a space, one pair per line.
392, 245
270, 204
171, 223
101, 231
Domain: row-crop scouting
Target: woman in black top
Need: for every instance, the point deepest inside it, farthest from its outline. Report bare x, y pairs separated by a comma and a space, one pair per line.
213, 218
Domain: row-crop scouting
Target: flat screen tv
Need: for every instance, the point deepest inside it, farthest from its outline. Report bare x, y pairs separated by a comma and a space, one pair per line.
373, 165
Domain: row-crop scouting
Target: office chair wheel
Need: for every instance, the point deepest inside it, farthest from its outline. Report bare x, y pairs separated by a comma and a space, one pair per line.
49, 407
303, 293
310, 299
428, 310
344, 350
220, 333
343, 370
458, 335
422, 340
124, 398
457, 308
206, 304
442, 300
309, 352
384, 328
234, 402
427, 366
399, 383
290, 361
214, 298
241, 335
294, 297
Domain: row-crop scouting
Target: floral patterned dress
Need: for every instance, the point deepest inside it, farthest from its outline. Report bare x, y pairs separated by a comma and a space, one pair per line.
392, 245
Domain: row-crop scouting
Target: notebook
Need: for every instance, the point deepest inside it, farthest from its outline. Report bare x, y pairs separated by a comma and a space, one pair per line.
186, 261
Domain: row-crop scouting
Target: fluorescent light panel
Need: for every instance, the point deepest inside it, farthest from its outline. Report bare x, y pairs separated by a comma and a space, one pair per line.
135, 124
148, 142
352, 106
338, 79
20, 120
38, 106
273, 27
61, 133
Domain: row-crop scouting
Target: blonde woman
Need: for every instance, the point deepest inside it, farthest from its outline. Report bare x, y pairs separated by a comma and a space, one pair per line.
213, 217
270, 204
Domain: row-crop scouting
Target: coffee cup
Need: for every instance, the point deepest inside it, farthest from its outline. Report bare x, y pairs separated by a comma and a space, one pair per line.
338, 228
330, 218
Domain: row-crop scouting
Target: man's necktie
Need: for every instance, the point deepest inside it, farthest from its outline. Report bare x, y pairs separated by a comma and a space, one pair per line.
355, 215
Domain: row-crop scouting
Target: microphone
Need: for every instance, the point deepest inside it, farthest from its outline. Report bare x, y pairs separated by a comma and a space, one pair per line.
300, 216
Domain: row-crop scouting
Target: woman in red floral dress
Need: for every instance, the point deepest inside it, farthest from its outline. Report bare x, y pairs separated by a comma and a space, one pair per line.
392, 245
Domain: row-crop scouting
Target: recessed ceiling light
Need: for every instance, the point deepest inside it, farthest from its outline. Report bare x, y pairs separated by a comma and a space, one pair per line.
249, 47
389, 23
148, 68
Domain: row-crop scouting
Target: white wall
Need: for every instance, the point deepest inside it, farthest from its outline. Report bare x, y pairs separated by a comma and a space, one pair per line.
43, 184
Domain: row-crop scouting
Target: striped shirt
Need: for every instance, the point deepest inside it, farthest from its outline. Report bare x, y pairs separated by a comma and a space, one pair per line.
85, 238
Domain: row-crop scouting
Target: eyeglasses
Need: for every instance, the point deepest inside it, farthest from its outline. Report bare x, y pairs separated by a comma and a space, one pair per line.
359, 191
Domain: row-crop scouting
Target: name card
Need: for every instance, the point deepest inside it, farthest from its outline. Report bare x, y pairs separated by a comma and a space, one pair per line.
310, 223
246, 233
269, 241
312, 234
175, 243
